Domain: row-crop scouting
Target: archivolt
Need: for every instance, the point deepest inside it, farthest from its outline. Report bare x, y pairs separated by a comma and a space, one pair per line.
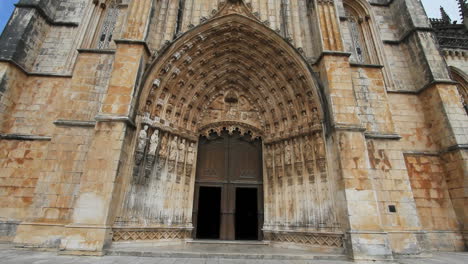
232, 53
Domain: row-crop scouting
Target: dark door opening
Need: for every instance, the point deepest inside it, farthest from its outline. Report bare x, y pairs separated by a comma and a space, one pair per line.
209, 209
246, 214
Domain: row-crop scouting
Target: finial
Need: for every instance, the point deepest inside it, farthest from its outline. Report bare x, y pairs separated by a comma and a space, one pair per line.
445, 16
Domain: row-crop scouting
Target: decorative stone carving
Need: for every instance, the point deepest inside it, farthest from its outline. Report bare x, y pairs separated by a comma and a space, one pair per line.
141, 145
174, 149
154, 142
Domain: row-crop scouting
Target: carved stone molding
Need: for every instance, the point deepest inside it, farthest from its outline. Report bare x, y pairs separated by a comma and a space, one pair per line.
230, 126
312, 239
128, 234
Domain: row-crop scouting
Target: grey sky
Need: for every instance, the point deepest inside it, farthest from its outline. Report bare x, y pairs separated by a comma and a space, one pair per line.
433, 8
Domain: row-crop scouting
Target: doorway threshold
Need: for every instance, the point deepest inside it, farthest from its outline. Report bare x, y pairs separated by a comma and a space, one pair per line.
228, 242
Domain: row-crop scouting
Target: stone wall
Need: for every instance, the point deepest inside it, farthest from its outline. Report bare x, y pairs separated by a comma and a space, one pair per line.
388, 164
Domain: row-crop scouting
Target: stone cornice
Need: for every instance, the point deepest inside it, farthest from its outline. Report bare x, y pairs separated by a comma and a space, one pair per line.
425, 87
407, 34
74, 123
134, 42
348, 127
331, 53
114, 118
366, 65
97, 51
374, 135
24, 137
46, 17
39, 74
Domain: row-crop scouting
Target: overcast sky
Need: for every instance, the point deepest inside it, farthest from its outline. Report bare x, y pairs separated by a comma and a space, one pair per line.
432, 9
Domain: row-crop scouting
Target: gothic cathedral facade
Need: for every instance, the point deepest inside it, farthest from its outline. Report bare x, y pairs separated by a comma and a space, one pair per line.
330, 125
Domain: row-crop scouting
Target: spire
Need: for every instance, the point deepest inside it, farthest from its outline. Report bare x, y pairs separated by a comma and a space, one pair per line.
463, 7
445, 16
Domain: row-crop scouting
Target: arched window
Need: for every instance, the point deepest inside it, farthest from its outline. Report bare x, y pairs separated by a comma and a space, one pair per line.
358, 42
107, 25
361, 43
462, 86
103, 24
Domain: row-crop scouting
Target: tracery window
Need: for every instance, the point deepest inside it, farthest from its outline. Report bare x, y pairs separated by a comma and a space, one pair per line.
358, 41
108, 25
361, 34
104, 24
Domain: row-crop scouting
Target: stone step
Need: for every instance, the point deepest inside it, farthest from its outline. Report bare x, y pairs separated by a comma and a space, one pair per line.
229, 242
226, 250
225, 255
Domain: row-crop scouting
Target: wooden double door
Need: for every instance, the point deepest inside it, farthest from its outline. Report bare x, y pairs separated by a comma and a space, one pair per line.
228, 202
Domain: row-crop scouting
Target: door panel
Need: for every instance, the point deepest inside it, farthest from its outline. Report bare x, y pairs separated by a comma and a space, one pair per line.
231, 161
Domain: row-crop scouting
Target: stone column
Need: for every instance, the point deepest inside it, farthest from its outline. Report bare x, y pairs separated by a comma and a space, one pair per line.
100, 191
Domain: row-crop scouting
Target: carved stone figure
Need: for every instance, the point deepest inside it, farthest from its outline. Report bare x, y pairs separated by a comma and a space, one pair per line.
287, 153
319, 146
154, 142
173, 152
141, 144
163, 149
315, 116
308, 150
182, 150
191, 154
297, 151
277, 155
142, 137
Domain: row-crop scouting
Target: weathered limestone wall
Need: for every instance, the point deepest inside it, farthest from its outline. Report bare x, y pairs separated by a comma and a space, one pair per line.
77, 169
434, 206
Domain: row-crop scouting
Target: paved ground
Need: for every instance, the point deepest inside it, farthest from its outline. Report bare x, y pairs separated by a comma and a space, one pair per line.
20, 256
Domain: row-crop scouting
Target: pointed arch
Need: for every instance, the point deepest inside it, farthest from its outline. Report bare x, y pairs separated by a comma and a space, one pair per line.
462, 79
232, 51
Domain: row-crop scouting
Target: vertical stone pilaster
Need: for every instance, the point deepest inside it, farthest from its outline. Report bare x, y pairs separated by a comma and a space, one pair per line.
449, 126
331, 36
138, 17
100, 190
357, 197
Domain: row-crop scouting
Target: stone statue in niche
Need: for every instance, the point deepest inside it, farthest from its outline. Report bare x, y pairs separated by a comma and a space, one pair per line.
190, 154
320, 154
163, 148
153, 146
287, 153
141, 145
174, 147
180, 163
308, 150
142, 137
319, 146
182, 150
278, 162
315, 116
154, 142
297, 151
